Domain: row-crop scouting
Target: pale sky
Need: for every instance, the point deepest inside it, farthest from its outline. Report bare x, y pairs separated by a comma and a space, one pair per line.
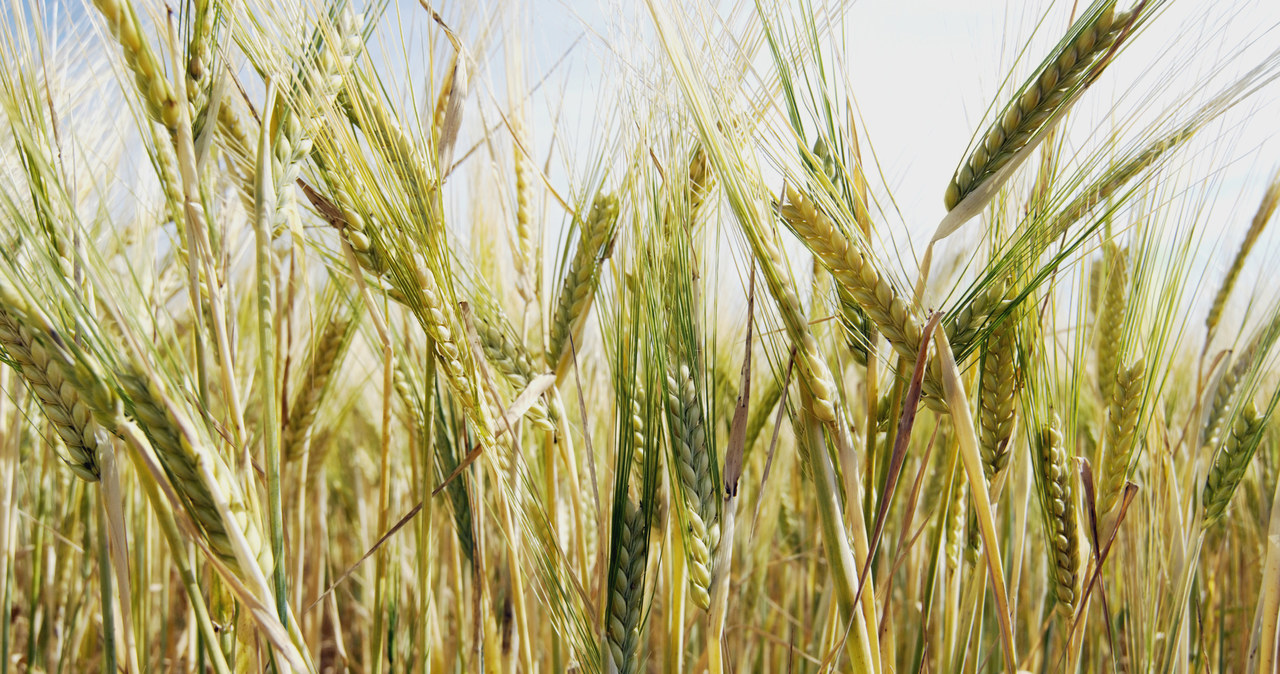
922, 72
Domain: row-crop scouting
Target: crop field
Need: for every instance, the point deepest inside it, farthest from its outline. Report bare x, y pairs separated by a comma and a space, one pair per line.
379, 336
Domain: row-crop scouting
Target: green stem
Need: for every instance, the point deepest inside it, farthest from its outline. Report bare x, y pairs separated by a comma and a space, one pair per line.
263, 220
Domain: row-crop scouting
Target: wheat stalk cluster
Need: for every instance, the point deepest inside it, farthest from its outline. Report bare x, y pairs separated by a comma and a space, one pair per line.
364, 336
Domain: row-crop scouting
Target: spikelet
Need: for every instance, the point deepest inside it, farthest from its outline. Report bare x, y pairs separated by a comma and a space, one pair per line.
1061, 521
697, 492
626, 590
577, 293
997, 397
1111, 317
1230, 463
1122, 428
1042, 100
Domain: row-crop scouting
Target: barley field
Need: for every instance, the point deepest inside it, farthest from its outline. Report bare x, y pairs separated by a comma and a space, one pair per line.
371, 336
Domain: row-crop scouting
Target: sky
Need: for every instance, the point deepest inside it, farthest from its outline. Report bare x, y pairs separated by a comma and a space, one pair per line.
922, 73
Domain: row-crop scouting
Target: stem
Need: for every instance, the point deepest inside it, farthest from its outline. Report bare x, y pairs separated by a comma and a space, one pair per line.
840, 558
119, 551
264, 218
968, 437
1269, 600
720, 587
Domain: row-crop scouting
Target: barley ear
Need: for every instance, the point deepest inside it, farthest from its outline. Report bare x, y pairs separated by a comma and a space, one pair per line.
1111, 318
577, 292
997, 397
1074, 64
1061, 522
1122, 429
1230, 463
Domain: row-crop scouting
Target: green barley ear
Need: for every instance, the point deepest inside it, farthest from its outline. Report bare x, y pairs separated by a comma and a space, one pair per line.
636, 369
577, 291
199, 474
1075, 63
1057, 495
449, 432
328, 350
68, 391
1230, 462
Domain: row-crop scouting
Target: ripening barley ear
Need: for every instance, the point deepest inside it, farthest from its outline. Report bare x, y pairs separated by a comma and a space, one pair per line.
997, 396
1243, 367
894, 316
157, 94
1057, 493
1111, 317
328, 351
510, 358
1123, 412
48, 370
1075, 63
577, 291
